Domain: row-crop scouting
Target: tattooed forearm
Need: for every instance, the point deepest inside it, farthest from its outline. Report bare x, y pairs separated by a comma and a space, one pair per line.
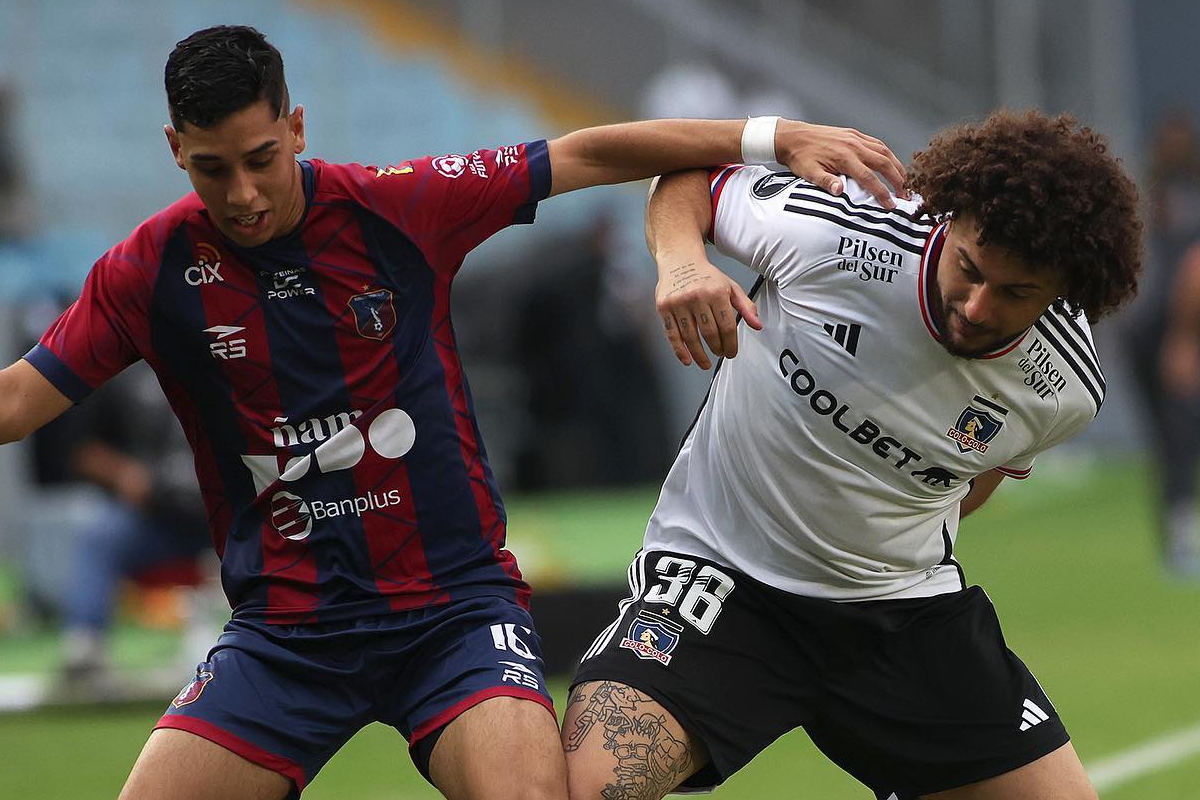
650, 761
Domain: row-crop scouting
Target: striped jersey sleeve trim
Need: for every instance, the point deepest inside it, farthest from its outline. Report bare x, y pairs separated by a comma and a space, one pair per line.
891, 218
1072, 356
716, 184
874, 230
1019, 474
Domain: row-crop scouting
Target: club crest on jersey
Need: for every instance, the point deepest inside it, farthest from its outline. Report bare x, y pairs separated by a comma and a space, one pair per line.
652, 638
768, 186
374, 314
977, 425
191, 693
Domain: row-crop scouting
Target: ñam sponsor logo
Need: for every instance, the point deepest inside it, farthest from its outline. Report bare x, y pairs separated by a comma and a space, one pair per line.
341, 444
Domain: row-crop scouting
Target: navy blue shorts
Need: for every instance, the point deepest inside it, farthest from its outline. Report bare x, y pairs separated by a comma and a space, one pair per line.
288, 697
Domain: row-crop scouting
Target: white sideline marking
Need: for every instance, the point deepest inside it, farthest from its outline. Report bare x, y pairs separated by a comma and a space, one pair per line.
1109, 773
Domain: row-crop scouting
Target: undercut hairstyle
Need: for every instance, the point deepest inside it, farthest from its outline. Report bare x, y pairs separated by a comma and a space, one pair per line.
1046, 190
219, 71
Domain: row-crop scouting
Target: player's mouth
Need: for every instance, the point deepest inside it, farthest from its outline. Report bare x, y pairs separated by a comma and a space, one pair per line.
962, 329
249, 224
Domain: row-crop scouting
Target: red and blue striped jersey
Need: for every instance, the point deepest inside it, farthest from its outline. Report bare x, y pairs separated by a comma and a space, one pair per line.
319, 384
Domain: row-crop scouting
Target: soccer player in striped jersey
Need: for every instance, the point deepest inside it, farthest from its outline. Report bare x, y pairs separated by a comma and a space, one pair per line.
894, 366
297, 315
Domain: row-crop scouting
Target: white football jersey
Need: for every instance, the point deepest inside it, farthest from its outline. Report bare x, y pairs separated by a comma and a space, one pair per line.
830, 456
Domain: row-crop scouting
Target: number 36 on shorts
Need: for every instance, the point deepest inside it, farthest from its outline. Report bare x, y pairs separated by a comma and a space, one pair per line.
697, 593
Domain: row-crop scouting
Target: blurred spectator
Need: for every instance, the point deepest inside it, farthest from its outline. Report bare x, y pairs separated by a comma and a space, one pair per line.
1179, 372
125, 440
1172, 405
14, 206
596, 414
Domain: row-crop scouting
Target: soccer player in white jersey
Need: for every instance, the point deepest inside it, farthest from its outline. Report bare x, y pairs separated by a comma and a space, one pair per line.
895, 365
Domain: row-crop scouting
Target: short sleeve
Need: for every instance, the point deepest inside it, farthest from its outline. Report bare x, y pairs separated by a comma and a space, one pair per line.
99, 334
449, 204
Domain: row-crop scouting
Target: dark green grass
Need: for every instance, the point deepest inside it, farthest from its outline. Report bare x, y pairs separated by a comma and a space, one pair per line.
1067, 557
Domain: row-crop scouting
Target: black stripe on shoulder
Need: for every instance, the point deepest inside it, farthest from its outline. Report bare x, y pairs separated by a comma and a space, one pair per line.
1076, 338
845, 223
1096, 390
911, 216
882, 216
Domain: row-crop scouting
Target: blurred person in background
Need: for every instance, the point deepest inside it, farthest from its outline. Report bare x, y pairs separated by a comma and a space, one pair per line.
597, 414
296, 314
125, 440
1159, 362
895, 365
14, 206
1178, 375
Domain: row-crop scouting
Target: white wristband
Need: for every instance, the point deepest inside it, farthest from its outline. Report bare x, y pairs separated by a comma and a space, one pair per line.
758, 140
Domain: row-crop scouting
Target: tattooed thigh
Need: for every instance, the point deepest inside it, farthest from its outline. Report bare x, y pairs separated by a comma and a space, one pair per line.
622, 745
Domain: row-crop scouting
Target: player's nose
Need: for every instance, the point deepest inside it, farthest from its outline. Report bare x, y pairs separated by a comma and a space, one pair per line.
978, 307
241, 191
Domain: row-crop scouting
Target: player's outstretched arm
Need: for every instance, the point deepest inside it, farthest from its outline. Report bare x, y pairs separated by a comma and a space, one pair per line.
981, 489
698, 304
27, 401
636, 150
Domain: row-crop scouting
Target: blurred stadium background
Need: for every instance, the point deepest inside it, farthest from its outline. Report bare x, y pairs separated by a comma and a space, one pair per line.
1069, 557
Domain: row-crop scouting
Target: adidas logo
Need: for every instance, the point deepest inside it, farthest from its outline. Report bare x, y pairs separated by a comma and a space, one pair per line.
845, 335
1032, 715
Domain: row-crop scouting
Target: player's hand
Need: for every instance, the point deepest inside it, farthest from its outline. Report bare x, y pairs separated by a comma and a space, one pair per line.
822, 154
699, 305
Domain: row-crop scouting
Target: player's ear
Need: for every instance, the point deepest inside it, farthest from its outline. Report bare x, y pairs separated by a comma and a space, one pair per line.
296, 124
173, 141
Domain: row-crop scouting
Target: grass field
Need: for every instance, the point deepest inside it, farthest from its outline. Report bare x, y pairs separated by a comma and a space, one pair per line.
1067, 557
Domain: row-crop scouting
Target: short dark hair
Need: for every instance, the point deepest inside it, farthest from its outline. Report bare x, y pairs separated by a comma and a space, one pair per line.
219, 71
1046, 190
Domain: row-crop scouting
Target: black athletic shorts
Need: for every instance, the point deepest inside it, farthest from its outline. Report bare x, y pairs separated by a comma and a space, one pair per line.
908, 696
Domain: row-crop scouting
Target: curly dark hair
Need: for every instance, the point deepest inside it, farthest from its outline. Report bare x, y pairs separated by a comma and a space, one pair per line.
217, 72
1048, 191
